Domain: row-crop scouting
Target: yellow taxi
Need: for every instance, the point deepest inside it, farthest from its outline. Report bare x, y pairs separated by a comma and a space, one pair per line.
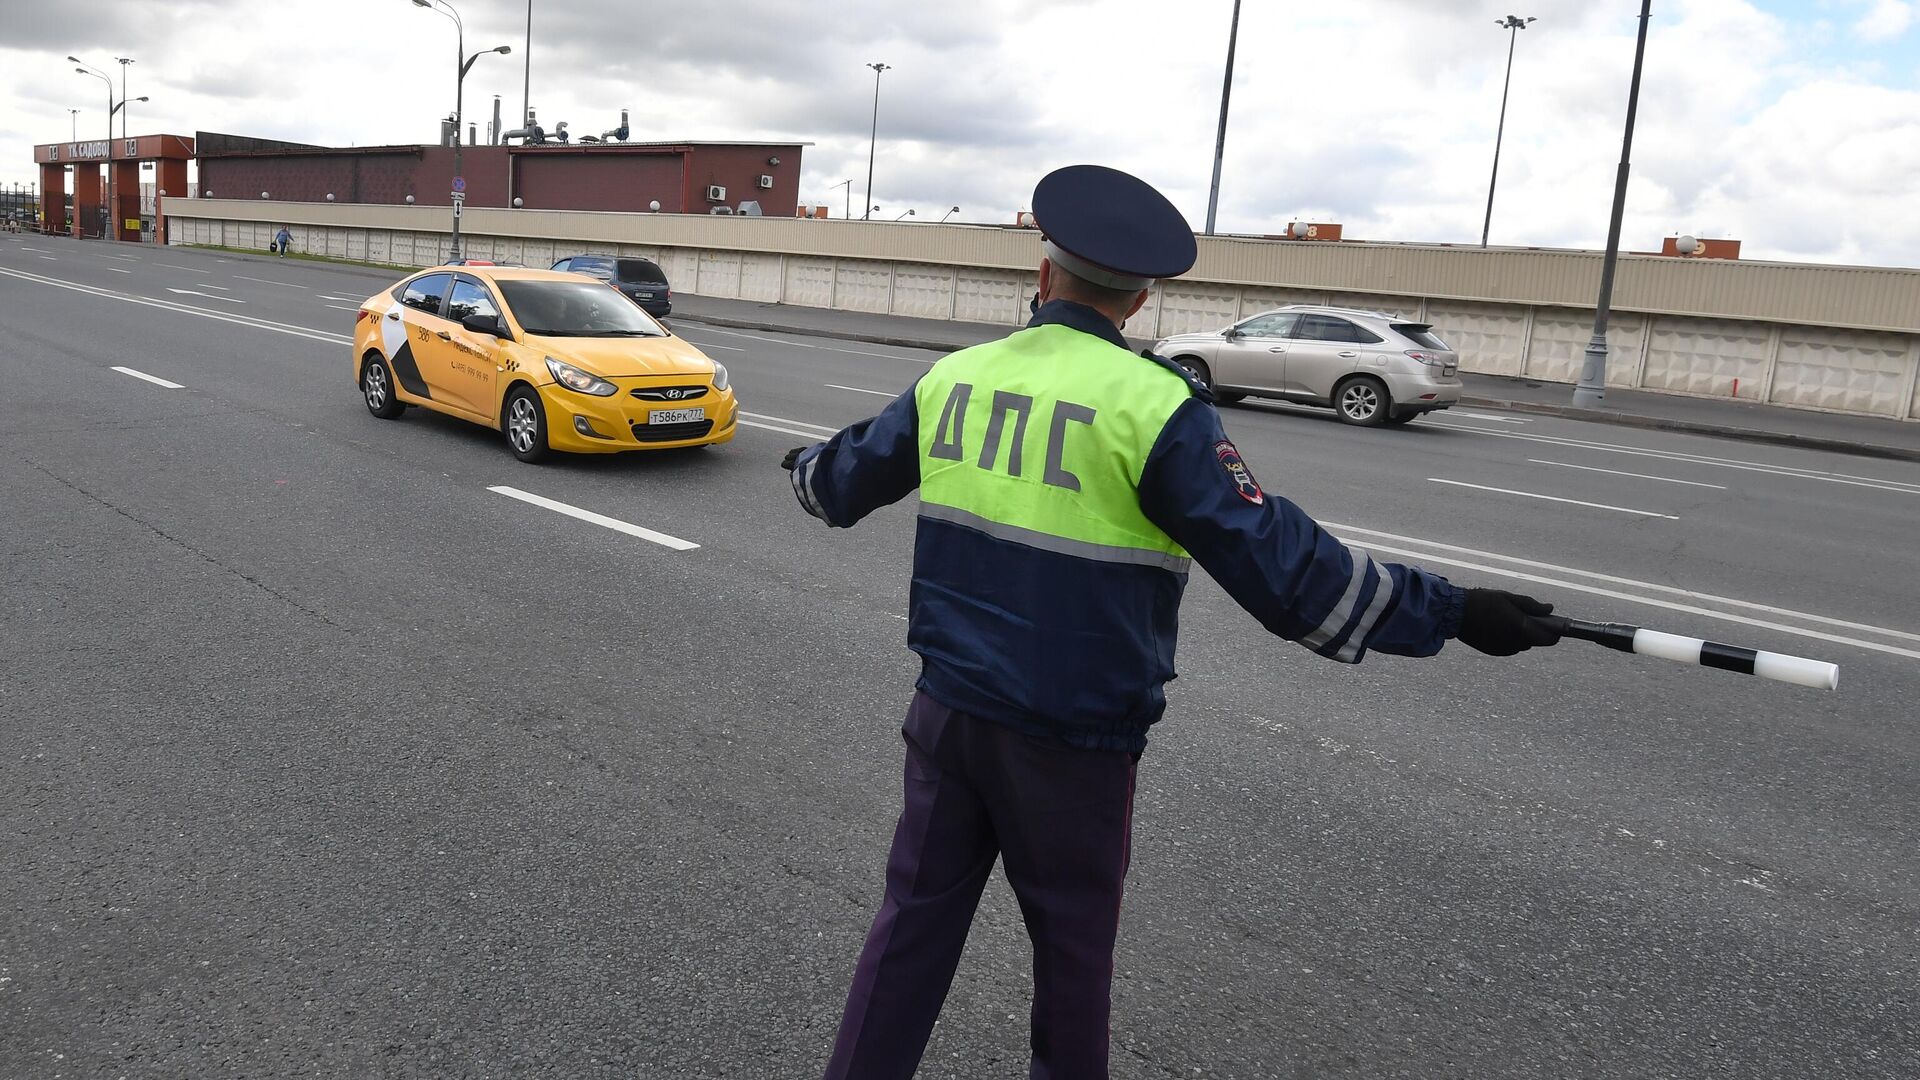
556, 361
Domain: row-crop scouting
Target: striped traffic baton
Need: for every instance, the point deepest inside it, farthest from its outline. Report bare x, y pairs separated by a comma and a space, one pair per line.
1691, 650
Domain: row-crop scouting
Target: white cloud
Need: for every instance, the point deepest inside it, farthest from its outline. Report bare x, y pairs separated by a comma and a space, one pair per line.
1886, 20
1378, 114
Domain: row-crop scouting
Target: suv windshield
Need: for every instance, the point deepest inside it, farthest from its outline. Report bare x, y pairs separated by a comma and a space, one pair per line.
1420, 334
576, 309
644, 270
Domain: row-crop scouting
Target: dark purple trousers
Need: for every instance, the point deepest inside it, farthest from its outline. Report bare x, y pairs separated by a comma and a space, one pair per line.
1062, 821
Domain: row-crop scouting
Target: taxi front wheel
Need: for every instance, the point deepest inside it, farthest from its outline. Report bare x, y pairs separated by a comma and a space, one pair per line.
525, 422
376, 385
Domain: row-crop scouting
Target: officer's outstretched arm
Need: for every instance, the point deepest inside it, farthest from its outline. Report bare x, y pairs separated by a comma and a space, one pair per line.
862, 468
1278, 563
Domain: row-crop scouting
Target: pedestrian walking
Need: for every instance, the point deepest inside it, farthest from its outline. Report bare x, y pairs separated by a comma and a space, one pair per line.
281, 239
1066, 482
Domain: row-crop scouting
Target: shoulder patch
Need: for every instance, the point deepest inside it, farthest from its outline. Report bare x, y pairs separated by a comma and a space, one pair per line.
1238, 473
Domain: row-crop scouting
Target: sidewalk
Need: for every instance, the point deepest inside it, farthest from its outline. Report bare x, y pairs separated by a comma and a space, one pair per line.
1860, 435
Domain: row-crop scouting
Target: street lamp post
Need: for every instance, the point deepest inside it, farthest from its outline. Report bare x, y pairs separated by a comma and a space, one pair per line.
1220, 139
87, 69
463, 64
848, 184
123, 62
74, 116
1514, 24
904, 216
948, 214
1592, 389
874, 136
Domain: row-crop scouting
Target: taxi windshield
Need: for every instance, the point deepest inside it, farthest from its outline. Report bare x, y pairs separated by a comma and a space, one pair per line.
576, 309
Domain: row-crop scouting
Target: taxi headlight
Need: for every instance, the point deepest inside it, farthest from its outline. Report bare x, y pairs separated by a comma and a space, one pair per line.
719, 375
574, 379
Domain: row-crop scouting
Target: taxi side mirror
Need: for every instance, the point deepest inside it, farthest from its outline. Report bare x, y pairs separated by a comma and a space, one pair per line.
485, 324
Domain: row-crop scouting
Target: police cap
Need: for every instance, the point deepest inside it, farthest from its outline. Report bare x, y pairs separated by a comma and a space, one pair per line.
1111, 228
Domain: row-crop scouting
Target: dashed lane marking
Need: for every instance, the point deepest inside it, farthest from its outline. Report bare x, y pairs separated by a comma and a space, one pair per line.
1552, 498
601, 520
1616, 472
154, 379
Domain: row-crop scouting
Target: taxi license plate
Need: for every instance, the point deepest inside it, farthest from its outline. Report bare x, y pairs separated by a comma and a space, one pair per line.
676, 416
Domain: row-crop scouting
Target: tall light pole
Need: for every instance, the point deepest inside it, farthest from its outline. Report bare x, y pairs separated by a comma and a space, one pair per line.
123, 62
526, 81
873, 138
88, 69
74, 116
1220, 139
1592, 389
463, 64
848, 184
1514, 24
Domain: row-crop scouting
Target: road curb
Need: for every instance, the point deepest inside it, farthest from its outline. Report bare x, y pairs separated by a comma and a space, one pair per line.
1597, 416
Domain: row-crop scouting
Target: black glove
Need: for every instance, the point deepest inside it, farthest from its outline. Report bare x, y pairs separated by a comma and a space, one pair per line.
1502, 623
793, 456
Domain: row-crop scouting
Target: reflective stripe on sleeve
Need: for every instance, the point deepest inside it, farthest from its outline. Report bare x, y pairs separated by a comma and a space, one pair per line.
1336, 619
803, 488
1061, 545
1382, 594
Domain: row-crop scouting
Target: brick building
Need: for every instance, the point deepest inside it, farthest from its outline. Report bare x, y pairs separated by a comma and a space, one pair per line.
683, 177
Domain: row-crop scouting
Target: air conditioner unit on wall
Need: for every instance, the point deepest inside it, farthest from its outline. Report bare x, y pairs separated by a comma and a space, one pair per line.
716, 193
766, 181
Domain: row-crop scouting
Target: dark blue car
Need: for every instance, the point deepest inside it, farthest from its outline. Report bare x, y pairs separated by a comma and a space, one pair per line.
641, 280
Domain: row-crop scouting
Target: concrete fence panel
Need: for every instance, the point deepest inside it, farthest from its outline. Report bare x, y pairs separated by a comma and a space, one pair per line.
1708, 357
760, 277
1490, 338
1843, 371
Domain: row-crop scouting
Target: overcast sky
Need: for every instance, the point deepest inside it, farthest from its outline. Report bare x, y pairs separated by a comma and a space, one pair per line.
1793, 125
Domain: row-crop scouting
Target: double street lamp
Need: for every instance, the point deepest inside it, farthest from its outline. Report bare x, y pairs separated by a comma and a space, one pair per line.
464, 64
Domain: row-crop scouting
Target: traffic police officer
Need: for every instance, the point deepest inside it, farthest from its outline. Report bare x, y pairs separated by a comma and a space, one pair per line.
1065, 484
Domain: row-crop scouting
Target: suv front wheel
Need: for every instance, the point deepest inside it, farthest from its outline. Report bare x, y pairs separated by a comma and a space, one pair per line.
1362, 400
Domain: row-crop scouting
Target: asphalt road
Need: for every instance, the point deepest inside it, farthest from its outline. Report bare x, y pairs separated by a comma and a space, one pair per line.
321, 758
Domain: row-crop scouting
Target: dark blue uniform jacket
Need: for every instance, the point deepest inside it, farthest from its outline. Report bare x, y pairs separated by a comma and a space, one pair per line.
1078, 650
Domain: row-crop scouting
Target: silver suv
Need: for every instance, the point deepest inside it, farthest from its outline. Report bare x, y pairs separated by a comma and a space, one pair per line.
1370, 367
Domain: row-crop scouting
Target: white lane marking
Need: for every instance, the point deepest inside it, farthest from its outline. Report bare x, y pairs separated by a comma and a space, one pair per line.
282, 284
1623, 581
150, 378
105, 255
861, 390
1649, 601
337, 307
208, 295
117, 270
1552, 498
1616, 472
222, 288
23, 247
49, 258
1693, 459
188, 269
711, 345
792, 423
1495, 419
602, 520
322, 296
184, 309
810, 345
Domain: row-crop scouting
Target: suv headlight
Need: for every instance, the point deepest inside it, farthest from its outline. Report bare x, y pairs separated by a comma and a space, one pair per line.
719, 375
574, 379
